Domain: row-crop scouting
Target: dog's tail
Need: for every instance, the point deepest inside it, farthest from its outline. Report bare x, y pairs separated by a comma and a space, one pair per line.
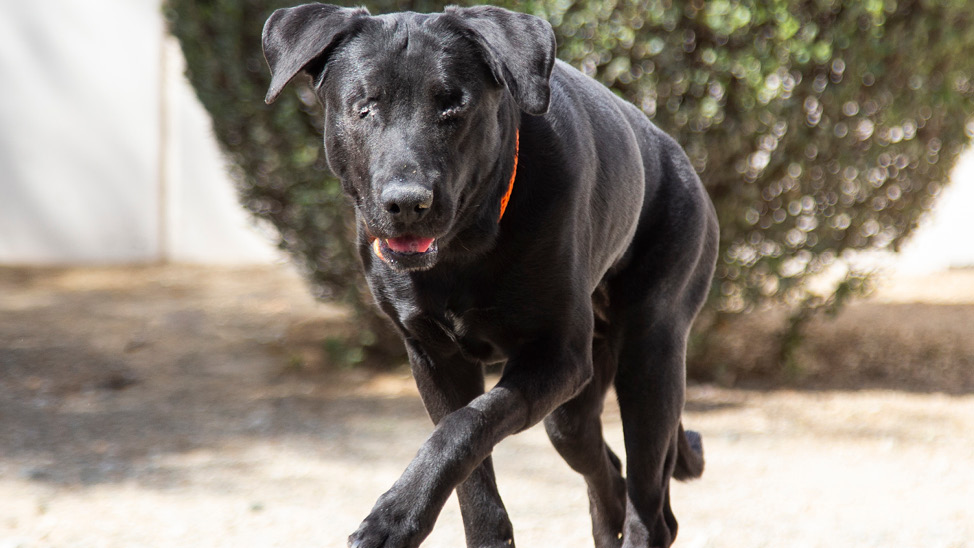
689, 457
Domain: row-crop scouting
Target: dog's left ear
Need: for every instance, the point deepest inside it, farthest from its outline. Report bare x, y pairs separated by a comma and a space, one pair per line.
299, 38
518, 48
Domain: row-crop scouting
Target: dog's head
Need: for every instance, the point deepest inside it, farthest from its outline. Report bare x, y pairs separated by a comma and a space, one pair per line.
420, 112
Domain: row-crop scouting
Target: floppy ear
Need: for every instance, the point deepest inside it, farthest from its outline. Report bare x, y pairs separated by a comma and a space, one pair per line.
300, 38
518, 48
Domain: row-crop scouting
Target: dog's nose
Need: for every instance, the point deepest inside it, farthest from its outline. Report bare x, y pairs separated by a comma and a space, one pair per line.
406, 202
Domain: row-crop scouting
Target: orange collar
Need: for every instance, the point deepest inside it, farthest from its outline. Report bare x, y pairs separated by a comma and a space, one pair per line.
376, 247
510, 187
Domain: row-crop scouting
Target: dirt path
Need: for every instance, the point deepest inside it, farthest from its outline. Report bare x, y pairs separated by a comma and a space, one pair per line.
159, 407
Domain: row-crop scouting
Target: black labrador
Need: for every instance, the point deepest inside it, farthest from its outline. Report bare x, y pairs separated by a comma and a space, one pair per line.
512, 210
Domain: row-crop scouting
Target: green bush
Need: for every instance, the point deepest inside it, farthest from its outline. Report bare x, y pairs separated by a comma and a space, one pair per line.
820, 127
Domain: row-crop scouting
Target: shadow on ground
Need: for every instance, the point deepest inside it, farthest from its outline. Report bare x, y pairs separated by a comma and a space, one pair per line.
104, 370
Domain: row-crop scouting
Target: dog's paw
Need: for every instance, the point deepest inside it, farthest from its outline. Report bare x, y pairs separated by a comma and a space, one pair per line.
384, 529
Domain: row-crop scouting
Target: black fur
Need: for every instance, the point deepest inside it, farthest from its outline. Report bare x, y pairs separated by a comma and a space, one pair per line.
591, 278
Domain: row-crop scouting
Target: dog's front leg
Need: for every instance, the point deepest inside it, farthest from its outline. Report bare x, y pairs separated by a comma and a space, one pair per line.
534, 383
445, 386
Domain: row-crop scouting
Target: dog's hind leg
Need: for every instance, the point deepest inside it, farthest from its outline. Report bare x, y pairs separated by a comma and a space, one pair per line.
650, 387
575, 429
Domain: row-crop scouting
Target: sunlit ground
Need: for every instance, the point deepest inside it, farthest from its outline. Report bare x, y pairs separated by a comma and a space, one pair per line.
181, 406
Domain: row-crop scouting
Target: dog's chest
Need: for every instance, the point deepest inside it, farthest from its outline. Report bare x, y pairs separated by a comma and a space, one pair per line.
451, 332
451, 317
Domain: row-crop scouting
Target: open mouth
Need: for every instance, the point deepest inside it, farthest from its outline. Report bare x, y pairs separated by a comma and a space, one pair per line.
409, 244
406, 252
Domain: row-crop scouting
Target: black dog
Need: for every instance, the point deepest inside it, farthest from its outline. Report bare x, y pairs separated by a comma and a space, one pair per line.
510, 209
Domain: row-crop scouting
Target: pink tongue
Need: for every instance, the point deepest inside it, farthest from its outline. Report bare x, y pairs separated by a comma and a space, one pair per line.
409, 244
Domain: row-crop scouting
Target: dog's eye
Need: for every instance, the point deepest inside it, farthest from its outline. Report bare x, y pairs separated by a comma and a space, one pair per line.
451, 112
364, 108
452, 104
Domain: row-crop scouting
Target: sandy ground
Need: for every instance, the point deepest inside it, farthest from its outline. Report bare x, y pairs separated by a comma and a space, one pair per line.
174, 406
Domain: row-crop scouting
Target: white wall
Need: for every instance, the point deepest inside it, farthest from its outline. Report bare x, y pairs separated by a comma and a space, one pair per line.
945, 237
90, 169
204, 222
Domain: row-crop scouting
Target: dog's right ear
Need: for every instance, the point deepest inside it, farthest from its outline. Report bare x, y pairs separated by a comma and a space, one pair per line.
301, 37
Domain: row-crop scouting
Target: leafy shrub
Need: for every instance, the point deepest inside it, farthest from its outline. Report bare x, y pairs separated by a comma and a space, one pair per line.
820, 127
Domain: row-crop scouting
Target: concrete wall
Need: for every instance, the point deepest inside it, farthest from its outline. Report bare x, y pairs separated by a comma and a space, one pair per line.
105, 154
